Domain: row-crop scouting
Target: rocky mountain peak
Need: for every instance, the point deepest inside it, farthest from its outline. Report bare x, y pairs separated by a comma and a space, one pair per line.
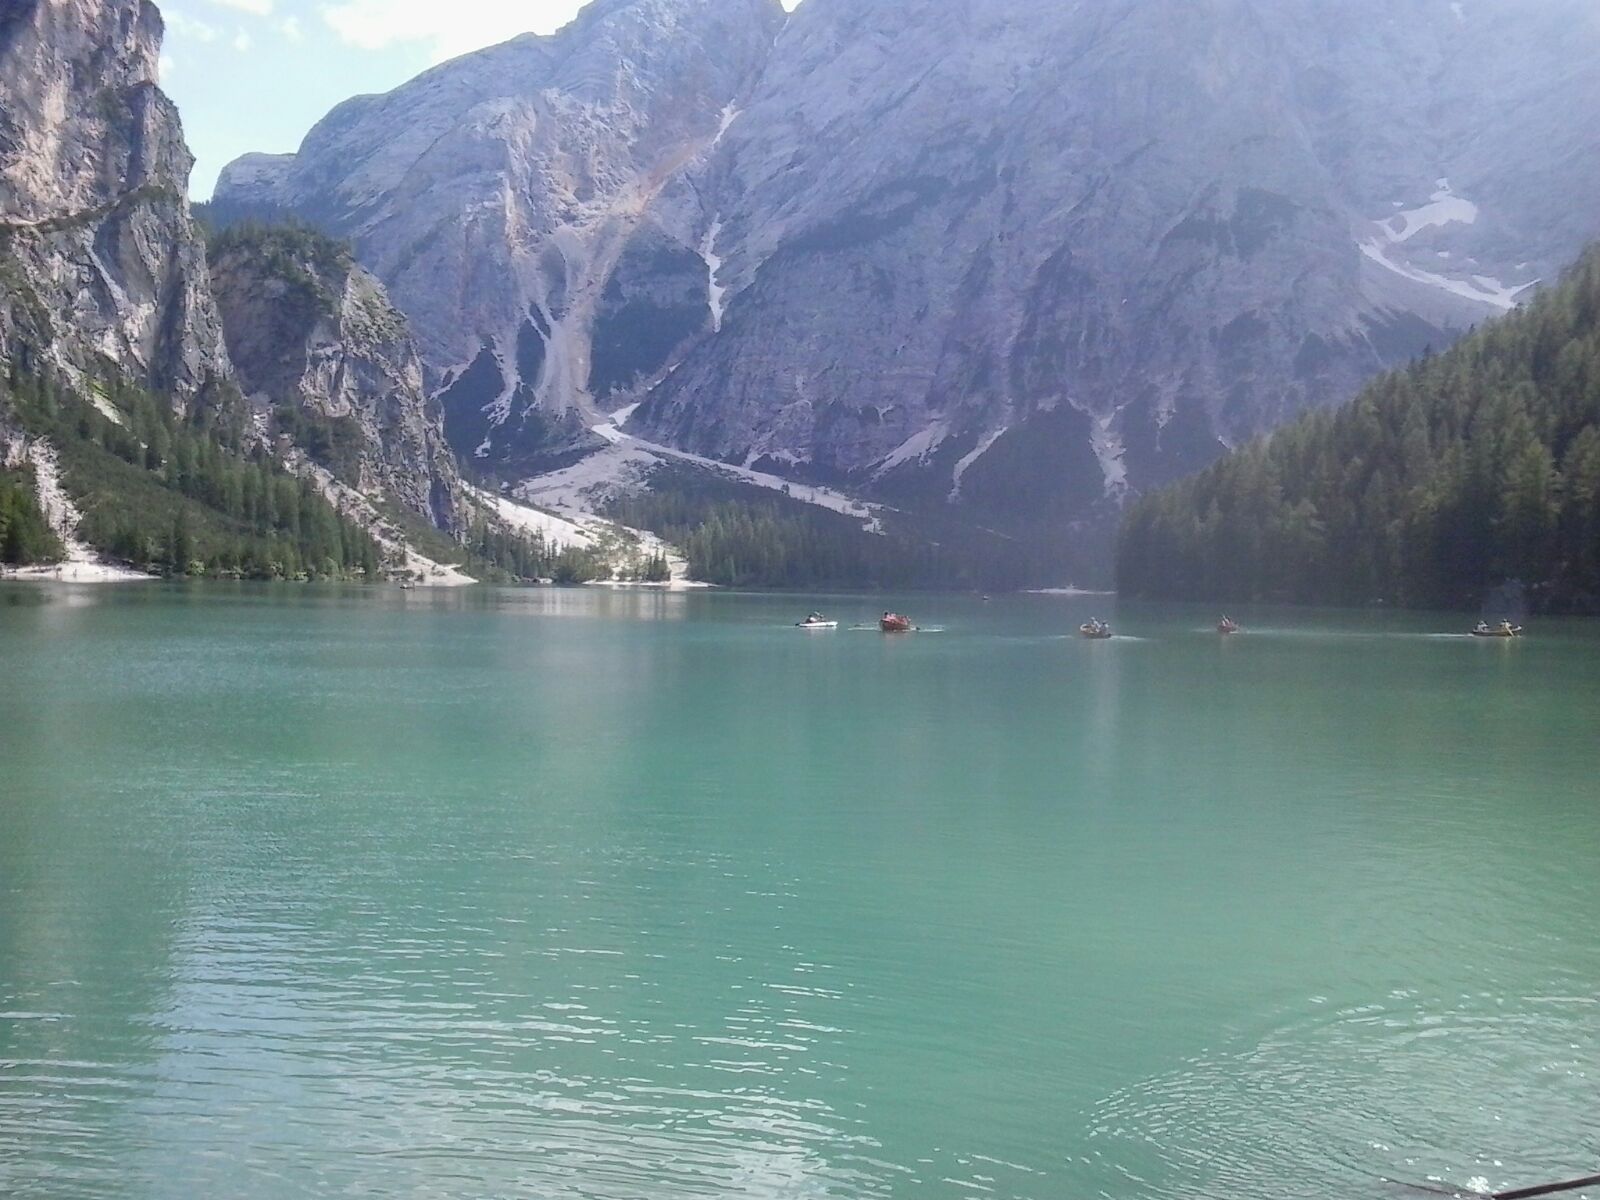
1028, 255
98, 258
494, 194
1021, 257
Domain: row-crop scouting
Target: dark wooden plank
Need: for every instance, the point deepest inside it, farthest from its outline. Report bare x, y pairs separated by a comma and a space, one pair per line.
1549, 1189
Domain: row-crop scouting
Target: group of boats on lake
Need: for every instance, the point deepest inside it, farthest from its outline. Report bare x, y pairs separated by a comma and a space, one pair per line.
1096, 630
890, 622
893, 622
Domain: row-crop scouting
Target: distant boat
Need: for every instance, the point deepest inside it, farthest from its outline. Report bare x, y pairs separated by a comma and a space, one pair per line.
817, 621
895, 623
1227, 625
1095, 631
1503, 630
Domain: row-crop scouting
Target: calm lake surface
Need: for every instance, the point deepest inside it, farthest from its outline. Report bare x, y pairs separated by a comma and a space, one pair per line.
582, 894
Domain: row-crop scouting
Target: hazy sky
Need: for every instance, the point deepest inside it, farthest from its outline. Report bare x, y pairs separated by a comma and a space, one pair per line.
257, 74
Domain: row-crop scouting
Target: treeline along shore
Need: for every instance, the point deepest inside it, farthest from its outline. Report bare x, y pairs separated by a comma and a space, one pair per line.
1439, 483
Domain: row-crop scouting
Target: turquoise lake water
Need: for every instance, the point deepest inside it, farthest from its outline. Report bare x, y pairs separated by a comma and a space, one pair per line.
609, 895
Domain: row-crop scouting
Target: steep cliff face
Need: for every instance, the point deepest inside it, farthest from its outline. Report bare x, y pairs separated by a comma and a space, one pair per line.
495, 197
1019, 256
327, 364
99, 261
1026, 254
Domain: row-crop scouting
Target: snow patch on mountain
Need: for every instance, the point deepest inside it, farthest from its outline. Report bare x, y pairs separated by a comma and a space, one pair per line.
625, 465
816, 496
1480, 288
714, 291
586, 531
819, 497
581, 531
591, 483
1109, 451
985, 444
915, 448
1444, 208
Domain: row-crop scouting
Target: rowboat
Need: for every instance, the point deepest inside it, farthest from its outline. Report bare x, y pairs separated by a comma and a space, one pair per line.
895, 623
1095, 631
1503, 630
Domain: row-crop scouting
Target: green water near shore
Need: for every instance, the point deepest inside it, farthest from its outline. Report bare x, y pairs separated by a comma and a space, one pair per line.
588, 894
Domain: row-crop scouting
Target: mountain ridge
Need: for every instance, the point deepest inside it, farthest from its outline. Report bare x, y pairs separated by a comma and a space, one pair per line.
122, 407
997, 265
1018, 258
499, 214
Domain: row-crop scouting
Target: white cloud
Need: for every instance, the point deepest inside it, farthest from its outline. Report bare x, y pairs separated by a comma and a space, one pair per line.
447, 28
164, 66
258, 8
242, 41
291, 29
186, 26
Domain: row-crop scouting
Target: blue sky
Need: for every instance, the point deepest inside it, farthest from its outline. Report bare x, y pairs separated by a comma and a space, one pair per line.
257, 74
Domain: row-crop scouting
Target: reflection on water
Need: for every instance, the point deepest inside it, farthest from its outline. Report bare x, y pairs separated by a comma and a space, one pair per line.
1359, 1085
564, 893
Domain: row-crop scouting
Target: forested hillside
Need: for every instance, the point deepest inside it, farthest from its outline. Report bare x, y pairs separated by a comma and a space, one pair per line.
738, 536
1438, 483
173, 495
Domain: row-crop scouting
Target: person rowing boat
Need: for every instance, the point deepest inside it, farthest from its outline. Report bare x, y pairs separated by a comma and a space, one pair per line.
1503, 630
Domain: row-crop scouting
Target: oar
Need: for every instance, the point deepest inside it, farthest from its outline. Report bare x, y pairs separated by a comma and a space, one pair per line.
1527, 1193
1549, 1189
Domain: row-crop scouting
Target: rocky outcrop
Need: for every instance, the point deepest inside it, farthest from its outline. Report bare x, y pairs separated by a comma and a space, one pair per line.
1029, 254
496, 196
328, 365
99, 262
1018, 255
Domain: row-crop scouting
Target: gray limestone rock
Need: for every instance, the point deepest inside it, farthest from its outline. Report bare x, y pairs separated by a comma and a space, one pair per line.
1016, 255
1027, 254
495, 196
325, 360
99, 261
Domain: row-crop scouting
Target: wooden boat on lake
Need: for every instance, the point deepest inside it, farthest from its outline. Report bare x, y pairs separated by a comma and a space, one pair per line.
894, 623
1503, 630
1227, 625
1095, 631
